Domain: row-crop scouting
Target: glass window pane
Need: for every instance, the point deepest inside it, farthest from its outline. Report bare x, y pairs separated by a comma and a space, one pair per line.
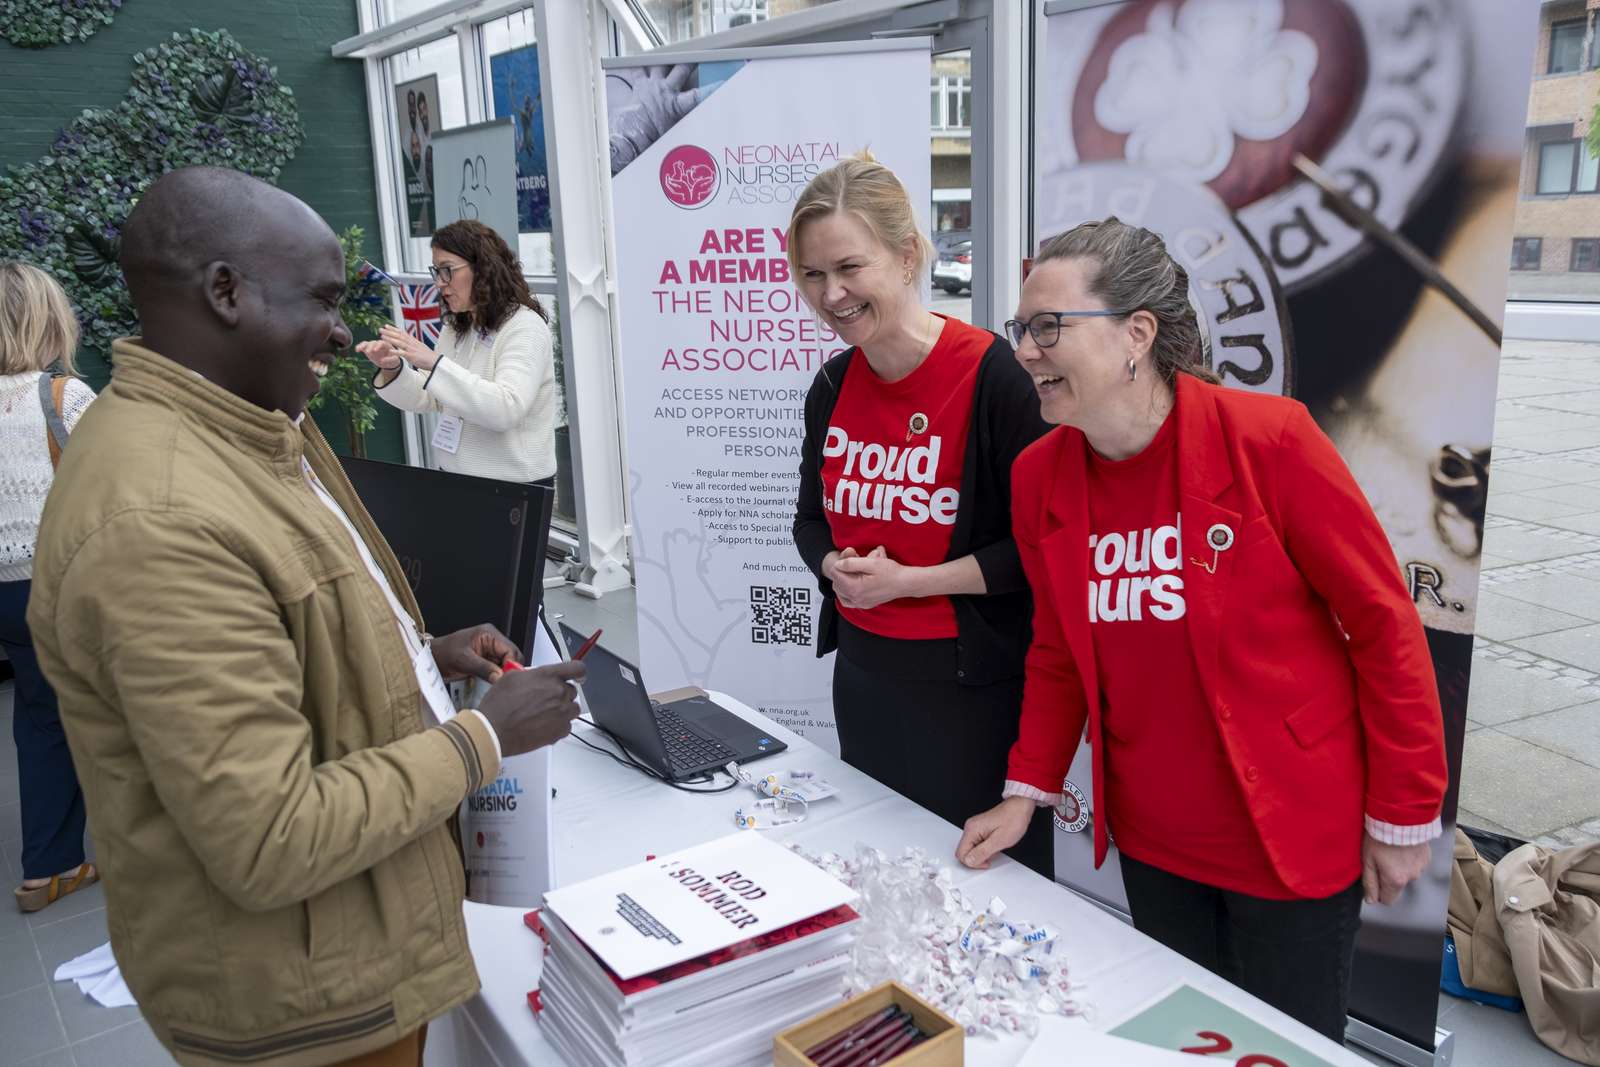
390, 11
566, 513
933, 97
514, 88
1588, 169
1566, 47
950, 215
1555, 166
428, 98
681, 20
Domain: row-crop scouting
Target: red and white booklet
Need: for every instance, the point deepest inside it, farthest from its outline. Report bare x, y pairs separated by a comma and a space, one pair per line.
683, 906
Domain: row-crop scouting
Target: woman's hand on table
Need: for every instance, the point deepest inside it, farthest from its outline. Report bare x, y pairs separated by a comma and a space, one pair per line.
864, 582
408, 348
991, 832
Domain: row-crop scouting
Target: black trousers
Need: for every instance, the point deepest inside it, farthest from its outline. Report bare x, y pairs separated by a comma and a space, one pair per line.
1294, 954
52, 804
904, 719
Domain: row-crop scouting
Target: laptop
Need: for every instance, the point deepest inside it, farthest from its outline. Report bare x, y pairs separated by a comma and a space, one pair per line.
679, 739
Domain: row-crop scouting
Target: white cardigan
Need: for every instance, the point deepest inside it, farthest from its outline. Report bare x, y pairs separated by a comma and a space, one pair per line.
25, 471
503, 387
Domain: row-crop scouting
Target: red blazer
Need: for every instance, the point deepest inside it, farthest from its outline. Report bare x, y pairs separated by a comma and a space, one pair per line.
1320, 728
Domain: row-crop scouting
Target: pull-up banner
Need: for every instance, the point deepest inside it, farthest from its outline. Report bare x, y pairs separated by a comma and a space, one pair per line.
1186, 116
708, 155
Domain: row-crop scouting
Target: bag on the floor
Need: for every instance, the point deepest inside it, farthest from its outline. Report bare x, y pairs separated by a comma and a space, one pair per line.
1548, 906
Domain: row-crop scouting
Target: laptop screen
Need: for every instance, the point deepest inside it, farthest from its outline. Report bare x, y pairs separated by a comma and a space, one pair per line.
617, 699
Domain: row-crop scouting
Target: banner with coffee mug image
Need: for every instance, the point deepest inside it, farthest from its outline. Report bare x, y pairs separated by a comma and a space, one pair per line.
1396, 105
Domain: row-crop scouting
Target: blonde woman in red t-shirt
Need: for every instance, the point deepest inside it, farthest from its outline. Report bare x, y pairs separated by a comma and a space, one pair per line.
1266, 732
904, 510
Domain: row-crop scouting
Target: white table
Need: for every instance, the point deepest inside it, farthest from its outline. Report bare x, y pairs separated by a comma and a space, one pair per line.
607, 816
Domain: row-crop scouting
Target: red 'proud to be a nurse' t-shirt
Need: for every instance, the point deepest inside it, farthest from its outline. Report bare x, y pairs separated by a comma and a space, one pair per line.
1170, 795
891, 471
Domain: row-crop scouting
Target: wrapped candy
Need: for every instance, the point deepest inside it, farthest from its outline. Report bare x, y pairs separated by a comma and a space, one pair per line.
992, 974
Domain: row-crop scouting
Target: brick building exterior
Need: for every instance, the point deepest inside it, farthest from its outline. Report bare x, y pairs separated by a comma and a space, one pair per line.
1555, 254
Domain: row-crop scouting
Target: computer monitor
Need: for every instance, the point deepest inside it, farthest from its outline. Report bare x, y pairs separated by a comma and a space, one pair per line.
473, 549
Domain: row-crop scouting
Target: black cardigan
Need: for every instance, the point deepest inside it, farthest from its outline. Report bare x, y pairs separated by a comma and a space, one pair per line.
993, 630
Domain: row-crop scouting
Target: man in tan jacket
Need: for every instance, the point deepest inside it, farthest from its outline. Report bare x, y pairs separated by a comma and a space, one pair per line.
268, 757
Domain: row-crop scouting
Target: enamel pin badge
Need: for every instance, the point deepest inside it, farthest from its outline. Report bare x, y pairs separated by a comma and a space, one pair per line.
1220, 538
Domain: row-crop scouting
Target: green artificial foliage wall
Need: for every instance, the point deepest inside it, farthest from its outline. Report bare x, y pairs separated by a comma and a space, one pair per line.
44, 89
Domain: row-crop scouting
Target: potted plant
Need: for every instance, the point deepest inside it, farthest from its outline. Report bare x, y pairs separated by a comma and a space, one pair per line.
366, 306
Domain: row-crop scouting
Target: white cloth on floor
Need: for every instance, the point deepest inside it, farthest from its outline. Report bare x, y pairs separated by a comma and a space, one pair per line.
98, 977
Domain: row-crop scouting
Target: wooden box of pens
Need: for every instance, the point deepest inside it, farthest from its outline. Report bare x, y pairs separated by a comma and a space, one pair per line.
883, 1026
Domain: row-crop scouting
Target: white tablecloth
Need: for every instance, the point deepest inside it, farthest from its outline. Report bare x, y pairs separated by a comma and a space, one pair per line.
607, 816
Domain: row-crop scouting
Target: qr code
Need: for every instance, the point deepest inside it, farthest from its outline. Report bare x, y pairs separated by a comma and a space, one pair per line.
780, 615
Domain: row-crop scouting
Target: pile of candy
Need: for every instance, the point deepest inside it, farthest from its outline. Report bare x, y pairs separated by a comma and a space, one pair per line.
991, 974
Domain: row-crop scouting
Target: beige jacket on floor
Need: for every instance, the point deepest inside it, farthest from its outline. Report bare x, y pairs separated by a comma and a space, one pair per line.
268, 807
1537, 937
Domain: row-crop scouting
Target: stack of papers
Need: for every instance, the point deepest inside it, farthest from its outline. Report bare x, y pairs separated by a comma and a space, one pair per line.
696, 957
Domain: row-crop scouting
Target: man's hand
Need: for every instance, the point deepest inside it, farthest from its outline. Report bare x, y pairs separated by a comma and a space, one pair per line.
476, 652
991, 832
1387, 869
533, 708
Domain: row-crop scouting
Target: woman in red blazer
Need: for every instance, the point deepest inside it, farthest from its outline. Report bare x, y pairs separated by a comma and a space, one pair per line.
1215, 600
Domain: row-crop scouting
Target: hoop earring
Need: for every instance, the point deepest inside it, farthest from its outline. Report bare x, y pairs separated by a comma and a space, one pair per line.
1133, 370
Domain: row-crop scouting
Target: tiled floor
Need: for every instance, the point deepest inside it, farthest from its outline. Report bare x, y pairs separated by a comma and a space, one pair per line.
1532, 763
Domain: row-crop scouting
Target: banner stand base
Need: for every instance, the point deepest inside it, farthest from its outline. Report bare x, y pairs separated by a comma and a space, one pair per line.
607, 577
1399, 1050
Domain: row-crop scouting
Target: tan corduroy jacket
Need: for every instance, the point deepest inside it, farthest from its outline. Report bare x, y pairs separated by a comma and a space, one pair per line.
269, 809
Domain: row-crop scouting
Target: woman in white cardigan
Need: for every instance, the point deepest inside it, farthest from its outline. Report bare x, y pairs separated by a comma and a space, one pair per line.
492, 378
38, 331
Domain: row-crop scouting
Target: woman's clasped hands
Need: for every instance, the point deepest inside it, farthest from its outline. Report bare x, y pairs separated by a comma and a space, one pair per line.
864, 582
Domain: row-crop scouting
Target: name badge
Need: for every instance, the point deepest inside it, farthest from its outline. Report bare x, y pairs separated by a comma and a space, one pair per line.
433, 688
447, 435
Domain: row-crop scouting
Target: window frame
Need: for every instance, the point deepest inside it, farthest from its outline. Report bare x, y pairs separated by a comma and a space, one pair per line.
1593, 245
1582, 25
1579, 151
1519, 246
948, 90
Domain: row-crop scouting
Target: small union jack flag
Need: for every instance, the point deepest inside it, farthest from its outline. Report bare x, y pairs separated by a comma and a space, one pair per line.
419, 307
369, 274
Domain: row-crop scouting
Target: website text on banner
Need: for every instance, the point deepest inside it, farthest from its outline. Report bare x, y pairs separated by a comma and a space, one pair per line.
718, 348
1415, 109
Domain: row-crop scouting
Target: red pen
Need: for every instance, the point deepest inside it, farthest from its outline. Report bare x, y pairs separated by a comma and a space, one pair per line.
587, 645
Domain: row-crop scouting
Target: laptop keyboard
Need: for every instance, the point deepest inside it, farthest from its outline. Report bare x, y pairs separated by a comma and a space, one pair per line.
685, 746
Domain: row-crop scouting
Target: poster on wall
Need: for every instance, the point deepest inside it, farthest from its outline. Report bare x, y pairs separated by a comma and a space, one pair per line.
515, 79
477, 177
1396, 101
719, 350
416, 108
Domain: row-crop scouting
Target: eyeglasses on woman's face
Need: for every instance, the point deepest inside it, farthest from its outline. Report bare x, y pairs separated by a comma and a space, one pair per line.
1045, 326
442, 272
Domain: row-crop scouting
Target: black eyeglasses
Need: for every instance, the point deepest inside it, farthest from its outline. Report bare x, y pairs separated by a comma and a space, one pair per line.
442, 274
1045, 326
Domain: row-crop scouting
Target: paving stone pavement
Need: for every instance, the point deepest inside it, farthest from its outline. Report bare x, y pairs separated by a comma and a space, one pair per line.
1531, 766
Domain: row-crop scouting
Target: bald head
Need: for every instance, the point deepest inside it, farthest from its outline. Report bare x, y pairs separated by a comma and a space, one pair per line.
199, 215
238, 280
